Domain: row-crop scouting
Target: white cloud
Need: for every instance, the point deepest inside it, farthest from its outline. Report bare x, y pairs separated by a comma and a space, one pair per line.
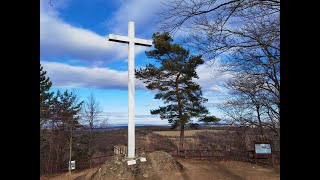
212, 85
67, 76
209, 78
145, 14
142, 12
214, 103
59, 39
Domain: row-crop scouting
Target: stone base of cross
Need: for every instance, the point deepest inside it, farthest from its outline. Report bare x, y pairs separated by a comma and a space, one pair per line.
131, 41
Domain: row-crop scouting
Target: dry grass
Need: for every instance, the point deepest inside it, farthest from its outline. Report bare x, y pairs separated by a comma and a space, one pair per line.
186, 133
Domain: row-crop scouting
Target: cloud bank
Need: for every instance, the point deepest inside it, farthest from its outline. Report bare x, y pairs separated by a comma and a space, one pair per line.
59, 39
67, 76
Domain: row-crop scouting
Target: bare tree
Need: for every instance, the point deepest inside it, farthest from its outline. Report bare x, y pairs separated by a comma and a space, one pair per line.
246, 96
256, 73
189, 14
104, 122
245, 35
250, 104
91, 111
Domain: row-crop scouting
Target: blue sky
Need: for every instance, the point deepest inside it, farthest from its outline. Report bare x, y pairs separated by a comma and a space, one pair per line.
75, 52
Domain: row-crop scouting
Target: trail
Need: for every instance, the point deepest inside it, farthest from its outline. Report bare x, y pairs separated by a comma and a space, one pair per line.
195, 169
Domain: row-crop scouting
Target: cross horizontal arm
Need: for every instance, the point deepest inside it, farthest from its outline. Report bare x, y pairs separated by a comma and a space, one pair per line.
142, 42
118, 38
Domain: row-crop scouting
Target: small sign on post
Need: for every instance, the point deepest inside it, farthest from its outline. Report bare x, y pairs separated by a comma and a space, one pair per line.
263, 149
72, 165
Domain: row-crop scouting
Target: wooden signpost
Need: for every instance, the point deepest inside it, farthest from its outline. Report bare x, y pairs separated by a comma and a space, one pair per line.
263, 150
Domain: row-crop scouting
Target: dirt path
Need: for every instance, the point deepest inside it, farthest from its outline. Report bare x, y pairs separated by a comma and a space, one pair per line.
83, 175
229, 170
195, 169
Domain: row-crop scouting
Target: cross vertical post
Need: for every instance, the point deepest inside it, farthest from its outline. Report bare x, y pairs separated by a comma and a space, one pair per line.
131, 41
131, 128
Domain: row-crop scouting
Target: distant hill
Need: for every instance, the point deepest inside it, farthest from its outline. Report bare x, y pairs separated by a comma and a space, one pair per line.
120, 126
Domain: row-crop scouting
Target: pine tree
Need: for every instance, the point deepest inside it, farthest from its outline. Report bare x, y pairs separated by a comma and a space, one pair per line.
173, 82
45, 115
61, 111
45, 96
67, 109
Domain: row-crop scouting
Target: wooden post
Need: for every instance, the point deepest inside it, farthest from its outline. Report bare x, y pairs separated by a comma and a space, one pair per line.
272, 156
255, 157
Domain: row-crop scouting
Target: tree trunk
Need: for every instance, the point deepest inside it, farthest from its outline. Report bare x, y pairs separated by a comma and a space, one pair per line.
180, 115
70, 154
90, 146
70, 147
259, 119
181, 136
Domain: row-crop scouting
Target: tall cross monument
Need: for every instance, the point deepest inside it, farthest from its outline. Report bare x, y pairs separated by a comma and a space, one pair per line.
131, 40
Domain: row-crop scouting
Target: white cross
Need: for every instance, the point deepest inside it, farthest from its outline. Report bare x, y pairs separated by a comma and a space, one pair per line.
131, 40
